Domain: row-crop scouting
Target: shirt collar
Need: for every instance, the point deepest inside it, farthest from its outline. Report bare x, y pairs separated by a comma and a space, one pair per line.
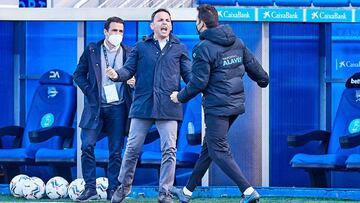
166, 39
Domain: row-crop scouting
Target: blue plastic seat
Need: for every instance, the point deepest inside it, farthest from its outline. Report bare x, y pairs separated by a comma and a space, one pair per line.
187, 152
353, 161
332, 3
62, 160
255, 2
66, 156
350, 141
293, 2
218, 2
330, 161
49, 121
63, 156
346, 122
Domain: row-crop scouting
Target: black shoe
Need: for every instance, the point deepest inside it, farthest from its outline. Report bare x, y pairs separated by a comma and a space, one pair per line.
165, 197
180, 194
109, 194
120, 194
87, 195
252, 198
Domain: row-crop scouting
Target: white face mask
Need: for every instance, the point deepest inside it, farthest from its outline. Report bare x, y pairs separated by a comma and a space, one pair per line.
115, 39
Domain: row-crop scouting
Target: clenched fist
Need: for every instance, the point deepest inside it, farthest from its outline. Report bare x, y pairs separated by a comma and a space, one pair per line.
173, 97
111, 73
131, 82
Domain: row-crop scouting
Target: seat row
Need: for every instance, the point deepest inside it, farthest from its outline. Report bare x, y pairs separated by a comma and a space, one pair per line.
338, 149
316, 3
49, 137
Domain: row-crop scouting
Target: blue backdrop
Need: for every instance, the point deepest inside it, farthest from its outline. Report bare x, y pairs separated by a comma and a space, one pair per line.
294, 95
6, 73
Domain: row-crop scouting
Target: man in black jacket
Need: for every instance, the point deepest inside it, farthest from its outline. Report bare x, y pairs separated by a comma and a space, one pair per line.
220, 60
106, 105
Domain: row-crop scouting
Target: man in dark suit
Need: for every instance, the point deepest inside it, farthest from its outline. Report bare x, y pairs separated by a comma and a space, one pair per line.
105, 109
159, 62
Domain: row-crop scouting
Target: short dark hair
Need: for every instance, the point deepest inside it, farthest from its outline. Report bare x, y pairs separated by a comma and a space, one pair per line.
158, 11
209, 15
112, 19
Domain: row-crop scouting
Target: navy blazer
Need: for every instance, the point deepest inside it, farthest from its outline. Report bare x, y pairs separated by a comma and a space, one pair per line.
88, 78
158, 73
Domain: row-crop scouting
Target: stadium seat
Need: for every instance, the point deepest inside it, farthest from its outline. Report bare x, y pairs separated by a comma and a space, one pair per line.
62, 159
49, 122
332, 3
68, 156
187, 151
293, 2
350, 141
255, 2
355, 2
218, 2
346, 122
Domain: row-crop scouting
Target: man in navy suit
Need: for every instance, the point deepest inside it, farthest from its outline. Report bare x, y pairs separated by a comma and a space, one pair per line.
159, 62
106, 104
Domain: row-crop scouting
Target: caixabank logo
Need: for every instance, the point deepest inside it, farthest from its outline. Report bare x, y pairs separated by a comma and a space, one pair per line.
280, 15
325, 15
236, 14
341, 64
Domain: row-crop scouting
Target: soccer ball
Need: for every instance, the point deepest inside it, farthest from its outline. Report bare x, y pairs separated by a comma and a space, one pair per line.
16, 185
76, 188
34, 188
56, 188
102, 184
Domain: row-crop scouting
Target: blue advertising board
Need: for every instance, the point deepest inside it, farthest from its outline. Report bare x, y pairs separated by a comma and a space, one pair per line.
329, 15
325, 15
280, 15
237, 14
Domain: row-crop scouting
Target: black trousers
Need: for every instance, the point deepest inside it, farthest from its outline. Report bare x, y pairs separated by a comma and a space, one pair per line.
216, 148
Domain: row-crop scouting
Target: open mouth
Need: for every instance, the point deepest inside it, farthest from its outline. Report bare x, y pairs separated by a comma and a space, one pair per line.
164, 29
